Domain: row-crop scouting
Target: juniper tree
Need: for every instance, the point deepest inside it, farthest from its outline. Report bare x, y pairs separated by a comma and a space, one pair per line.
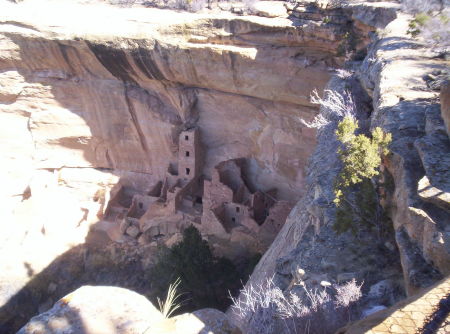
355, 196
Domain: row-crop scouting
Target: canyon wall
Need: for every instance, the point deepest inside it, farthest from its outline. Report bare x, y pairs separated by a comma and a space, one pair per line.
94, 96
397, 79
84, 107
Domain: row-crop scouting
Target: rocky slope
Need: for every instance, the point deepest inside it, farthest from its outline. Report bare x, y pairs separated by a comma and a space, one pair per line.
395, 75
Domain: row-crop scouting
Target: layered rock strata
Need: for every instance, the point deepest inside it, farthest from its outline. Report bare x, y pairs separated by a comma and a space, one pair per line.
393, 75
89, 108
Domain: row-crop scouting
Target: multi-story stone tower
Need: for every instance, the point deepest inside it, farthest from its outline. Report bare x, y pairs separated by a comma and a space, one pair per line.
189, 155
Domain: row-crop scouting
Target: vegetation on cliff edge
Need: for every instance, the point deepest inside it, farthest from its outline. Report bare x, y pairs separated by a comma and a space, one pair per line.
355, 194
206, 280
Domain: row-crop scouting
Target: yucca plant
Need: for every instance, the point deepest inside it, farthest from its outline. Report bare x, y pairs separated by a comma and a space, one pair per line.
171, 304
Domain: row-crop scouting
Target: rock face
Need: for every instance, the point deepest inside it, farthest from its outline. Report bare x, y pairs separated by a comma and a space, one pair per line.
416, 180
92, 119
140, 91
89, 109
86, 108
420, 162
445, 105
106, 310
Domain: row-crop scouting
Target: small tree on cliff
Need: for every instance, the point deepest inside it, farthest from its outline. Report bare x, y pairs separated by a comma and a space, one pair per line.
355, 194
431, 22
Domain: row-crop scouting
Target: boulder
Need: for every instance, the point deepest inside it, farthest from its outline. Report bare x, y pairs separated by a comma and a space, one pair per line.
124, 224
107, 310
381, 289
269, 9
373, 15
133, 231
96, 310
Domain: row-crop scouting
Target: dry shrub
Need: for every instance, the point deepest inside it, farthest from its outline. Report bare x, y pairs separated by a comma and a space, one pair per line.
266, 309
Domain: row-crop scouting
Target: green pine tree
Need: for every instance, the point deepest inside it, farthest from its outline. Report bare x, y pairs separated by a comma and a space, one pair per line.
355, 195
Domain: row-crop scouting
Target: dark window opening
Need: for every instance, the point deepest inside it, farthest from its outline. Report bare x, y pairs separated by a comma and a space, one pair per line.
237, 209
199, 200
141, 205
187, 153
233, 219
186, 137
188, 170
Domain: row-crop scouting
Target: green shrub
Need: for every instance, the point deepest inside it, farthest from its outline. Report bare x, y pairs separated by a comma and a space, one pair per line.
205, 279
416, 24
355, 195
431, 22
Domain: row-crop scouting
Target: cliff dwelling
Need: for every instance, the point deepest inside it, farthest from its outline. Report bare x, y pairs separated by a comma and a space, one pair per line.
123, 127
222, 207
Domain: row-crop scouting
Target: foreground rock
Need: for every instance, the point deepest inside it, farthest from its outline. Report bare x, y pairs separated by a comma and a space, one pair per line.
106, 310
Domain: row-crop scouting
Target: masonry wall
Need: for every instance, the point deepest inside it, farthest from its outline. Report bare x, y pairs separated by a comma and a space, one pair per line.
140, 205
189, 154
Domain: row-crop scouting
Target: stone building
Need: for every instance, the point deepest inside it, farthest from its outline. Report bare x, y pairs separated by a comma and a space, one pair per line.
189, 154
224, 208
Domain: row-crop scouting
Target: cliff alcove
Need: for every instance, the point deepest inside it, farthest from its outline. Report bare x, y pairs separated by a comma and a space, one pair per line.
97, 116
121, 127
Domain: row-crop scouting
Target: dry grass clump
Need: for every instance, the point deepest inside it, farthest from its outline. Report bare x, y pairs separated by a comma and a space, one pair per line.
266, 309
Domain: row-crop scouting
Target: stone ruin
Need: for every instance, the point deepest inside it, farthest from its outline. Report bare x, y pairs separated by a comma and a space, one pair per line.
234, 219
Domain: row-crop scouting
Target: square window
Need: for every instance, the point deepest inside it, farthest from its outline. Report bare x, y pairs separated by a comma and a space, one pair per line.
186, 137
187, 153
188, 170
233, 219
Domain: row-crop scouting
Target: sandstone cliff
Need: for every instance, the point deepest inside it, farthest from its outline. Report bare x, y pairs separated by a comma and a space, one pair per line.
394, 77
93, 96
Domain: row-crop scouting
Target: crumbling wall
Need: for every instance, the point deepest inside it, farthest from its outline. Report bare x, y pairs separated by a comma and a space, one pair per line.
140, 205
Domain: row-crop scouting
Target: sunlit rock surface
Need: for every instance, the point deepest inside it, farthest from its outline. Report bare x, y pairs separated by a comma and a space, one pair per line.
416, 176
106, 310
